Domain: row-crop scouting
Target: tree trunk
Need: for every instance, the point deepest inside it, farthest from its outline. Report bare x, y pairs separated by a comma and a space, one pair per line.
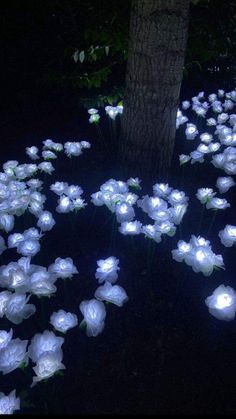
158, 34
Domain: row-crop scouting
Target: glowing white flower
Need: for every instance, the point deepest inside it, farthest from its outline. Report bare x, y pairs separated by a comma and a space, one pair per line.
199, 241
10, 403
73, 148
5, 338
94, 313
177, 197
151, 203
180, 253
45, 342
74, 191
160, 215
42, 283
47, 365
167, 227
217, 203
228, 235
134, 182
185, 104
97, 198
206, 138
32, 152
196, 156
221, 92
13, 355
94, 119
78, 203
49, 155
224, 183
64, 205
112, 111
6, 222
59, 188
211, 122
217, 107
85, 144
15, 239
112, 293
205, 195
17, 309
213, 147
162, 190
45, 221
222, 303
131, 228
63, 321
107, 270
191, 131
177, 212
183, 158
203, 148
124, 212
151, 232
63, 268
28, 247
35, 184
47, 167
202, 259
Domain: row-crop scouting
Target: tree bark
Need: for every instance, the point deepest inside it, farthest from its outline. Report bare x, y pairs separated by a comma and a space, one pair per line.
158, 34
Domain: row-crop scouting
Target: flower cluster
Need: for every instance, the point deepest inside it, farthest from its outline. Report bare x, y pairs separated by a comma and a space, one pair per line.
198, 254
69, 197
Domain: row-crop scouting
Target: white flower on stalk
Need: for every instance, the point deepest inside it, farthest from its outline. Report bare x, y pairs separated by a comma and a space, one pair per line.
180, 253
183, 158
73, 148
94, 313
111, 293
85, 144
217, 203
112, 111
107, 270
191, 131
10, 403
222, 118
222, 303
47, 167
73, 191
130, 228
32, 152
167, 227
17, 309
45, 221
205, 195
177, 197
49, 155
224, 183
47, 365
151, 232
45, 342
42, 283
196, 156
78, 204
134, 182
211, 122
228, 235
64, 205
186, 104
162, 190
92, 111
202, 259
35, 184
63, 268
177, 212
124, 212
13, 355
94, 119
63, 321
206, 137
160, 215
59, 188
28, 247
